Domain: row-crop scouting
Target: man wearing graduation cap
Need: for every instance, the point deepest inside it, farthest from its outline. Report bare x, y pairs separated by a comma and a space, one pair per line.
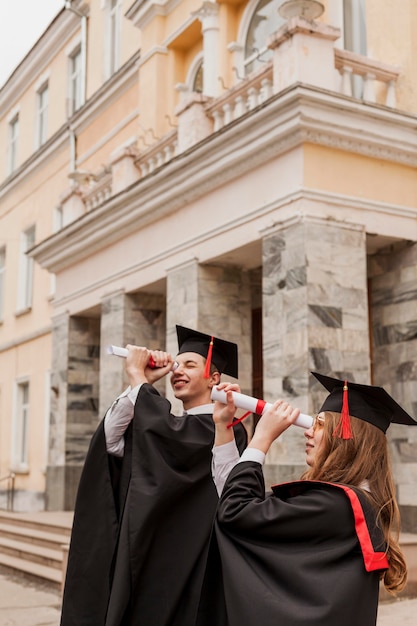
312, 552
146, 498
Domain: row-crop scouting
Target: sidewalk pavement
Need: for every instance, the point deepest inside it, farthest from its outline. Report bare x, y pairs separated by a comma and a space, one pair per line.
26, 603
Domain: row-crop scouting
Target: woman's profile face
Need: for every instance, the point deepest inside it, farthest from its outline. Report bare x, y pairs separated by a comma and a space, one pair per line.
314, 436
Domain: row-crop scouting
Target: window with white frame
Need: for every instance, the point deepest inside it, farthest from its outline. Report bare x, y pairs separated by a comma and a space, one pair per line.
198, 79
113, 36
21, 427
42, 98
58, 218
26, 270
75, 74
2, 280
265, 20
13, 140
354, 36
354, 26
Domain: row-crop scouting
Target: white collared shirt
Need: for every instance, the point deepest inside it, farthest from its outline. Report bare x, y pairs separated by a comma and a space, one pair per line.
225, 457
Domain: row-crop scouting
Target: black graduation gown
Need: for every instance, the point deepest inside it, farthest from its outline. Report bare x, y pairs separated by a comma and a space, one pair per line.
141, 531
308, 553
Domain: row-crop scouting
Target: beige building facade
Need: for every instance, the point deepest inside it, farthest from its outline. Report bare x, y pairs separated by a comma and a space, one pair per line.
222, 165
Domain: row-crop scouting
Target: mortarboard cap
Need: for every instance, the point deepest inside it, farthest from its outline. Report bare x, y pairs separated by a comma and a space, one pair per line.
366, 402
222, 353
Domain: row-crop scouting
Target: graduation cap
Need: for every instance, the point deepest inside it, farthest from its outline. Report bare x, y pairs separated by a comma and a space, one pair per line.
223, 354
366, 402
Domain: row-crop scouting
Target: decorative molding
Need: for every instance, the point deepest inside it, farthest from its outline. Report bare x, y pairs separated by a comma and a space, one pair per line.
61, 29
142, 12
298, 115
24, 339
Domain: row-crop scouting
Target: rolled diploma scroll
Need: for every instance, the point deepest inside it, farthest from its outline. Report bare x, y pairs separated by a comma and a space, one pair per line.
256, 406
117, 351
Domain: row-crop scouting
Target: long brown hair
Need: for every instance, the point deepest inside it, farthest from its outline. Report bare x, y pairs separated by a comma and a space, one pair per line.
365, 457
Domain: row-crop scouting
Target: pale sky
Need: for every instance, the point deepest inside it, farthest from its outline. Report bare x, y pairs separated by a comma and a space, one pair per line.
21, 24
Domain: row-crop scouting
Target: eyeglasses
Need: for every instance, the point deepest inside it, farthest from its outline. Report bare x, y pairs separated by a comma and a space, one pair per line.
318, 422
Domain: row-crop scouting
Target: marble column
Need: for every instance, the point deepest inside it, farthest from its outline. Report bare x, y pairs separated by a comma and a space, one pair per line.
55, 471
215, 300
74, 405
127, 318
315, 317
393, 298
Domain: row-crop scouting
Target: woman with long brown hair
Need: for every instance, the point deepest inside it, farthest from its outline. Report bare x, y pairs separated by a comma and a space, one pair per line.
313, 551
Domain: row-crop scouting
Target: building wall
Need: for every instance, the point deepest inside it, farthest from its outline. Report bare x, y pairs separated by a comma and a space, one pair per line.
281, 193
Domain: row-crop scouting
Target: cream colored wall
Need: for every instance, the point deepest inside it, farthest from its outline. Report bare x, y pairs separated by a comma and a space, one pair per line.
112, 128
351, 174
391, 36
130, 42
30, 360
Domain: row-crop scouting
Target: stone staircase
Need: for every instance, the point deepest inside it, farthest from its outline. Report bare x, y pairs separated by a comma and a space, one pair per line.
35, 544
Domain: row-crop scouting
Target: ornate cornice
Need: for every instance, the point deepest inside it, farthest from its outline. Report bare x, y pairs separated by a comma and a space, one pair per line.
61, 29
289, 119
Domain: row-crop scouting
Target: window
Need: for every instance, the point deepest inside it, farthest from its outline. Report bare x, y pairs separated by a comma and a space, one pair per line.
2, 281
21, 427
354, 26
354, 36
42, 115
58, 218
13, 137
75, 81
113, 36
26, 270
265, 21
197, 86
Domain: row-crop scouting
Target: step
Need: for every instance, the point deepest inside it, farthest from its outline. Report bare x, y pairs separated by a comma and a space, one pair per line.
34, 570
32, 553
58, 522
33, 535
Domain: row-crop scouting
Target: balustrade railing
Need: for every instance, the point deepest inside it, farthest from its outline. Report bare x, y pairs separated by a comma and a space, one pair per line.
372, 72
98, 191
10, 478
158, 154
241, 98
246, 95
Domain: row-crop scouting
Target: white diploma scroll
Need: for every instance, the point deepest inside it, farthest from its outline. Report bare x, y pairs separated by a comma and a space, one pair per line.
118, 351
256, 406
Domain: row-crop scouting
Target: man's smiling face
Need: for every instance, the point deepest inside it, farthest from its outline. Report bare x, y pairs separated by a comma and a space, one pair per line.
188, 380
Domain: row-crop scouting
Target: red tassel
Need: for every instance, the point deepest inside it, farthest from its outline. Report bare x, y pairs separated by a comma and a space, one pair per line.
208, 361
344, 430
240, 419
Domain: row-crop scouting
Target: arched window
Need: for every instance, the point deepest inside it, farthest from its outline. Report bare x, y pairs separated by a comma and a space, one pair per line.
195, 75
265, 20
197, 85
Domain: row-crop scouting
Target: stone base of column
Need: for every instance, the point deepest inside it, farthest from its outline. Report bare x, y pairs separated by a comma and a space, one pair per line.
61, 487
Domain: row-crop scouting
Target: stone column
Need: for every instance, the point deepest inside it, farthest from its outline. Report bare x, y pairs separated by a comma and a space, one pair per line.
211, 299
393, 297
74, 405
315, 318
208, 14
55, 471
127, 318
